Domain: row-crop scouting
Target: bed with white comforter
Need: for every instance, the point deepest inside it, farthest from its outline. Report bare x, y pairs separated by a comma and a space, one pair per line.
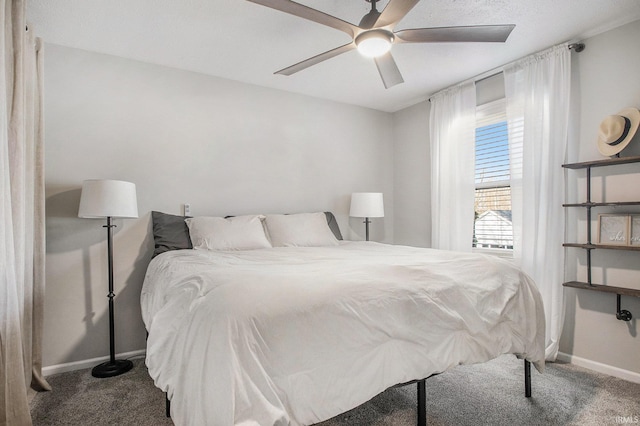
297, 335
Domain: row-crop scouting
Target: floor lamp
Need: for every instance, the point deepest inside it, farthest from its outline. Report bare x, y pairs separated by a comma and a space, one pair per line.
109, 199
366, 204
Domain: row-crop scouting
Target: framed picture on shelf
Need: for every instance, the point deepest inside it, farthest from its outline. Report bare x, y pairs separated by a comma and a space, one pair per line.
613, 229
634, 231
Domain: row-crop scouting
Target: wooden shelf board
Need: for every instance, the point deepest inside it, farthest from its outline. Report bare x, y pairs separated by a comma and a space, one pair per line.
601, 163
611, 204
603, 288
602, 246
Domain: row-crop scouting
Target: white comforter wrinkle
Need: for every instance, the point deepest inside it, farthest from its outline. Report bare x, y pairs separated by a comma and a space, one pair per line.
294, 336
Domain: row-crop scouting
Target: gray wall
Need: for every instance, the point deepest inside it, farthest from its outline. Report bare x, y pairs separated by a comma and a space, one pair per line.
223, 146
605, 77
412, 176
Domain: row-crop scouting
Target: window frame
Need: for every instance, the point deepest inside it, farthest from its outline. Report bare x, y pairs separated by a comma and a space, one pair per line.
486, 114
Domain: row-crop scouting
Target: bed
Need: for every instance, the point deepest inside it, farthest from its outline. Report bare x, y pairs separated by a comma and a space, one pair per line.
294, 334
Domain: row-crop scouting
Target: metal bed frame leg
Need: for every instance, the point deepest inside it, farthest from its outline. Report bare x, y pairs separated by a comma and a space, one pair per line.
527, 378
167, 405
422, 393
422, 402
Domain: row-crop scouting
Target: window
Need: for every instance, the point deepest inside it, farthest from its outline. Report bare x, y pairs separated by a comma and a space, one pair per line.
493, 228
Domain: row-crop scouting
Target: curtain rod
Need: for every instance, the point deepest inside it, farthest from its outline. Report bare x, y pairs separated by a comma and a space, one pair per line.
578, 47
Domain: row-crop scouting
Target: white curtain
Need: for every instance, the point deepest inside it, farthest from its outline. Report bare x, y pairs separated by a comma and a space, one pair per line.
452, 137
21, 215
537, 93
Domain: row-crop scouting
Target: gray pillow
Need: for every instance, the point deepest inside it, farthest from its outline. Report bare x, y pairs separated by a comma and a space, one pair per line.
169, 232
333, 225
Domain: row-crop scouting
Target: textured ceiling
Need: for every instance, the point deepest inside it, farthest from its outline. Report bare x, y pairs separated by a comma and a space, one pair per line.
243, 41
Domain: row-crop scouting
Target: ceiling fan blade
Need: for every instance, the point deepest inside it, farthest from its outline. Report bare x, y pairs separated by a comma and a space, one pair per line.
369, 20
478, 33
316, 59
388, 70
302, 11
395, 11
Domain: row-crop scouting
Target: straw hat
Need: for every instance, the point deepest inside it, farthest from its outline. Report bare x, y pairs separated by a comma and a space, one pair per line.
616, 131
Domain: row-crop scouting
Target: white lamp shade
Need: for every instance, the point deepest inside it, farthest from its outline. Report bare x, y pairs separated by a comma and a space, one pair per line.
366, 204
102, 198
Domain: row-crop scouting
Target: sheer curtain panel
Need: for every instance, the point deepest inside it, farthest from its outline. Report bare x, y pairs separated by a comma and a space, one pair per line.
21, 215
452, 137
537, 93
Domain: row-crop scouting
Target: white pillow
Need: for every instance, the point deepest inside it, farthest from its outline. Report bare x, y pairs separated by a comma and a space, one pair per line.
234, 233
300, 230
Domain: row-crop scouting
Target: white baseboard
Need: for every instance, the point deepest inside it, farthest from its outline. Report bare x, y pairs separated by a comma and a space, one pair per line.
88, 363
620, 373
631, 376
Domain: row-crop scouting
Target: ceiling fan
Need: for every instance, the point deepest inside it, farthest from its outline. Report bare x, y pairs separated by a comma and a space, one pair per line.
374, 35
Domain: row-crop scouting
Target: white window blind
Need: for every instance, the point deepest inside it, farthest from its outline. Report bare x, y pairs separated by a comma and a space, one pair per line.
493, 227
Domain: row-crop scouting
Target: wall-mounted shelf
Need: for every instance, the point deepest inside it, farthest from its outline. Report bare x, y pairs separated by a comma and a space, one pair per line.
623, 203
603, 288
601, 163
621, 314
602, 246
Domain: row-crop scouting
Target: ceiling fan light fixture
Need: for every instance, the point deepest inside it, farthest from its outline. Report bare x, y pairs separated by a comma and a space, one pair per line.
374, 43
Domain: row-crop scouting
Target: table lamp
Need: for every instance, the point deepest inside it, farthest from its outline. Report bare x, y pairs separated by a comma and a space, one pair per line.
366, 204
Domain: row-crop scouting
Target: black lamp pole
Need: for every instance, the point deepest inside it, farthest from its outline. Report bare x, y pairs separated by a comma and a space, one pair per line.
366, 224
113, 367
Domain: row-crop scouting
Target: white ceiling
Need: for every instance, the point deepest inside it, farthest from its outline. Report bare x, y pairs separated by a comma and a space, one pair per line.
243, 41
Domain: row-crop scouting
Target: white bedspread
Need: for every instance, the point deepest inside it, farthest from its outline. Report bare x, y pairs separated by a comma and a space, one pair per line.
294, 336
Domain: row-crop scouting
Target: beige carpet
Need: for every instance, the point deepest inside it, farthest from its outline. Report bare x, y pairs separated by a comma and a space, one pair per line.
484, 394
